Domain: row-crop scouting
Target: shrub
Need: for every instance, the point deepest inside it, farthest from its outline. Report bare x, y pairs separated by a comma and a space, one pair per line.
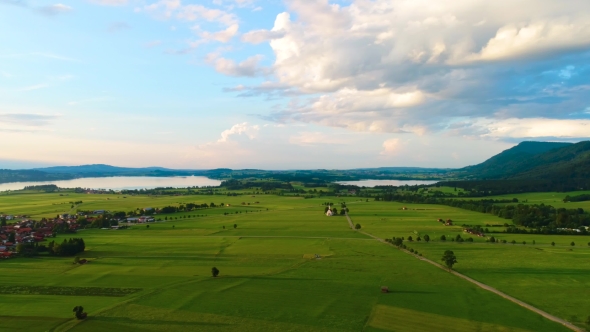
572, 244
357, 226
214, 272
443, 238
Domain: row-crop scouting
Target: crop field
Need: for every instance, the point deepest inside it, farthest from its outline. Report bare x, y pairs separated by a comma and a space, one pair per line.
159, 278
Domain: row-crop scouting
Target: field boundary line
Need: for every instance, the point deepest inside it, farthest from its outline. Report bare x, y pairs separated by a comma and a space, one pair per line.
480, 284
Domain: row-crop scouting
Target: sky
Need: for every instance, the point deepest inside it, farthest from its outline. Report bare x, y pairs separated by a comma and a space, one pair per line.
293, 84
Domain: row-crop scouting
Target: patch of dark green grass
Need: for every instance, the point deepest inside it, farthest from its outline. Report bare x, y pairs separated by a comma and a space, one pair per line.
67, 291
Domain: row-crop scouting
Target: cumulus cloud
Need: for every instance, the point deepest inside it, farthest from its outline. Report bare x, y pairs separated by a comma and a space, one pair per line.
249, 67
390, 147
53, 10
260, 36
421, 66
239, 129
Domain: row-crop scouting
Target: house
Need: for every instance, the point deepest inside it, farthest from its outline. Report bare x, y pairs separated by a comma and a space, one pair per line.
99, 212
148, 209
329, 213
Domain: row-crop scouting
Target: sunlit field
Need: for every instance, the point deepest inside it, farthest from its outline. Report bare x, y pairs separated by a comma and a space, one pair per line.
159, 278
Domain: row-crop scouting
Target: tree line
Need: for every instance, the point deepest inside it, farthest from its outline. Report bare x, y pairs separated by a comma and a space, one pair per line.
544, 219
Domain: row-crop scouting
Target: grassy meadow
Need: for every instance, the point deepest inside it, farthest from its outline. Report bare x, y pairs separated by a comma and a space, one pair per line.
159, 278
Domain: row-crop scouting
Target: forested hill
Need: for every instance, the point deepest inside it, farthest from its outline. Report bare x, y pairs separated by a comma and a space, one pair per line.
98, 168
527, 168
513, 161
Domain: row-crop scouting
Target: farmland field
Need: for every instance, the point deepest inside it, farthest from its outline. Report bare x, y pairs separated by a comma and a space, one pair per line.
159, 278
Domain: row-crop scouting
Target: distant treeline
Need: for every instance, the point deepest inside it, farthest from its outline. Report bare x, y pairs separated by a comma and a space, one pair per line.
481, 188
45, 187
8, 175
545, 218
577, 198
234, 184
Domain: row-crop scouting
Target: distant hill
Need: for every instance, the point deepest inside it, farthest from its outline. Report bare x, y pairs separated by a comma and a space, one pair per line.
511, 162
97, 168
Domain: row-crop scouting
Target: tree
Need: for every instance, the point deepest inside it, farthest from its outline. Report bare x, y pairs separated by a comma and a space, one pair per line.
79, 312
553, 244
449, 258
410, 238
572, 244
513, 242
214, 272
11, 237
235, 226
357, 226
426, 238
76, 260
443, 238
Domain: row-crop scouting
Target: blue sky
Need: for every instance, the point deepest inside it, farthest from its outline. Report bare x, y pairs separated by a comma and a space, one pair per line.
288, 84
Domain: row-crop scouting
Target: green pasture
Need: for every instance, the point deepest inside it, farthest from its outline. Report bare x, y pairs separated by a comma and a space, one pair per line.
270, 279
552, 278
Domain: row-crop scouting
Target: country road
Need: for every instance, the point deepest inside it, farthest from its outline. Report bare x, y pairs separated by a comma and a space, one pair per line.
479, 284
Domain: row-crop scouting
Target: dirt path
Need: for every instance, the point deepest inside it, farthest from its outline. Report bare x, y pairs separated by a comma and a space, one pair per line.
479, 284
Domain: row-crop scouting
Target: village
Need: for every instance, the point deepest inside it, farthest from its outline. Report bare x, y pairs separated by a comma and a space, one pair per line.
21, 229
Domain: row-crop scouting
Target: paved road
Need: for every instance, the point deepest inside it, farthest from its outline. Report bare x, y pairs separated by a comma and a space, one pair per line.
482, 285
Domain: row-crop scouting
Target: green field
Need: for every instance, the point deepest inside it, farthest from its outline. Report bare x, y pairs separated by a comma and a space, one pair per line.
158, 278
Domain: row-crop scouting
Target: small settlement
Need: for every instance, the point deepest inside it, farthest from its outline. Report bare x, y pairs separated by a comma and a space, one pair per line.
16, 229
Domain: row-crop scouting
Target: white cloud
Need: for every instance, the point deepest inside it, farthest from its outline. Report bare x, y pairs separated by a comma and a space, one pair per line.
249, 67
110, 2
53, 10
418, 66
390, 147
222, 36
199, 12
534, 38
239, 129
533, 127
260, 36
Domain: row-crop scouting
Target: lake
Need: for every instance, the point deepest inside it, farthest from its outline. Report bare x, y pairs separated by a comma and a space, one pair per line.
373, 183
121, 182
